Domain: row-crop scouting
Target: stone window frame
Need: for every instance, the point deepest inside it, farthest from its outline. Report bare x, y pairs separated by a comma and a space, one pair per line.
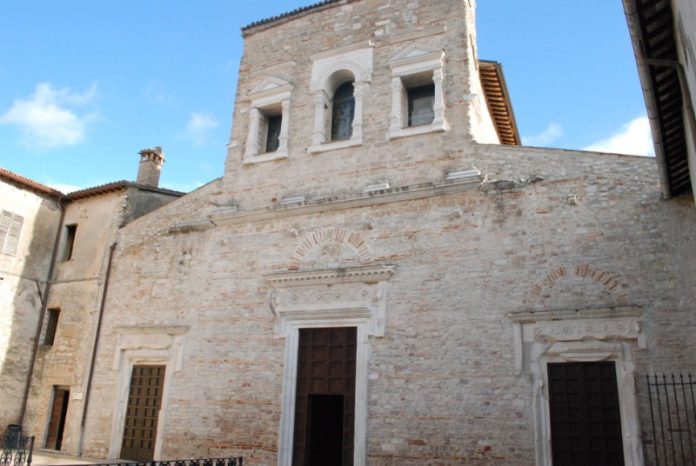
271, 95
144, 345
366, 314
587, 335
416, 62
330, 70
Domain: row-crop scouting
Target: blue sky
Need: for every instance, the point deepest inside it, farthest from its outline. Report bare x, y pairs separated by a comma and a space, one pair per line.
84, 85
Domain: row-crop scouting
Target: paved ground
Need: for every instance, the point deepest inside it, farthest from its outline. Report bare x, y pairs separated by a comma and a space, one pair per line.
47, 457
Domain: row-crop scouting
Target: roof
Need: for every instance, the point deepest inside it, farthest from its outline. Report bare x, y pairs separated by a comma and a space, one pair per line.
651, 23
29, 184
268, 22
83, 193
116, 186
498, 101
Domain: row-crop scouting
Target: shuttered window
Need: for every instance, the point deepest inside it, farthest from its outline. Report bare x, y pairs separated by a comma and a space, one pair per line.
10, 228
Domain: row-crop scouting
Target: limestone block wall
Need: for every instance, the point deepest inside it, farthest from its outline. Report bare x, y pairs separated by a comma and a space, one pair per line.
286, 50
22, 275
443, 387
76, 291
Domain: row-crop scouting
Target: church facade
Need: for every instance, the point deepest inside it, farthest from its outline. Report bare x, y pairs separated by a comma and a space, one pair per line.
383, 275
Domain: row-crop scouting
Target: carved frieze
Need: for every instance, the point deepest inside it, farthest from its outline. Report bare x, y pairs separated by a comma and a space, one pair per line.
347, 293
600, 329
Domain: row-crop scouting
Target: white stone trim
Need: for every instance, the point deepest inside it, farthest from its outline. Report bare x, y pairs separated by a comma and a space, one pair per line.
588, 335
329, 70
332, 298
412, 60
144, 345
366, 274
271, 95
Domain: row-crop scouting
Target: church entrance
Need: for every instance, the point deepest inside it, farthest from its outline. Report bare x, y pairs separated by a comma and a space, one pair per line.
585, 414
142, 413
325, 397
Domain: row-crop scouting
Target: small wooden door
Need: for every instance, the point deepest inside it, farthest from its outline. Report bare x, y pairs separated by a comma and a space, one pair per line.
142, 413
585, 415
56, 423
325, 397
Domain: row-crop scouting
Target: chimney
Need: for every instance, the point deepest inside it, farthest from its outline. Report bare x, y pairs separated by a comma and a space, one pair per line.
151, 161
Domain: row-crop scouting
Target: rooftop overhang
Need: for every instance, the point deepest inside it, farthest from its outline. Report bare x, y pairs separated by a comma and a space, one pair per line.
498, 100
651, 24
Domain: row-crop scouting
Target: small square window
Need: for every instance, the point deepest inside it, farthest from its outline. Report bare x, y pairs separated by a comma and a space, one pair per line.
273, 124
420, 105
51, 326
70, 232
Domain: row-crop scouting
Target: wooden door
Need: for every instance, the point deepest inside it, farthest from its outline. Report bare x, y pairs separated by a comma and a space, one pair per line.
325, 397
142, 413
585, 415
56, 423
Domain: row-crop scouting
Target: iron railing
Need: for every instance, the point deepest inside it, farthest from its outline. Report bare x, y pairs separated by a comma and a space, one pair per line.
672, 400
192, 462
17, 449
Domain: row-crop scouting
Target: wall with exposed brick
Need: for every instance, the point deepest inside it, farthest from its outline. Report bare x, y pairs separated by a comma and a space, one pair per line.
442, 383
543, 229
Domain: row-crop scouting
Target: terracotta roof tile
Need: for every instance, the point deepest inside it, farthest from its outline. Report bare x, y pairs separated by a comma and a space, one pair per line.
29, 184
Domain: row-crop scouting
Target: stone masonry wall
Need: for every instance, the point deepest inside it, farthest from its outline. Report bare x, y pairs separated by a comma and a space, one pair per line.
442, 388
285, 51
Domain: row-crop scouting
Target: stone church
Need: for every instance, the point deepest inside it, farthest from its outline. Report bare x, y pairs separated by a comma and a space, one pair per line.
383, 275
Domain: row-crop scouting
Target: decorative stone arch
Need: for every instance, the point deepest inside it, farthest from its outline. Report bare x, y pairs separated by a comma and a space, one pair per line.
330, 69
342, 237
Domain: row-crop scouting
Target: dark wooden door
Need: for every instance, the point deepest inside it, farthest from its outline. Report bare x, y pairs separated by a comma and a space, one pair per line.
142, 413
56, 424
585, 415
325, 400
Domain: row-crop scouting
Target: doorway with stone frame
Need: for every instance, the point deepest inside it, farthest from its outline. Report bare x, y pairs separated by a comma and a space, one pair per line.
325, 397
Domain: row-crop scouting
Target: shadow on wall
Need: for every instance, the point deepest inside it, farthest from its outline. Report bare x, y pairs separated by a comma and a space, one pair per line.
23, 285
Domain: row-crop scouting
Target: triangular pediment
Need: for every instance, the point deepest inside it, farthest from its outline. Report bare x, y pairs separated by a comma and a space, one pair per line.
415, 50
270, 84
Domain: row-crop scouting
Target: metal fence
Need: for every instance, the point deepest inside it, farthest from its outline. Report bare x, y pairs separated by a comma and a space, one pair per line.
16, 448
193, 462
672, 400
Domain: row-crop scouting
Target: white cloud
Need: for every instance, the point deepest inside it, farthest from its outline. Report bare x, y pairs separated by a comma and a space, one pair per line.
552, 132
634, 138
47, 118
156, 93
65, 188
200, 127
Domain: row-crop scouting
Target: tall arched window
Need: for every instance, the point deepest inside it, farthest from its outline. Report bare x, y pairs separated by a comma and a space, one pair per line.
343, 112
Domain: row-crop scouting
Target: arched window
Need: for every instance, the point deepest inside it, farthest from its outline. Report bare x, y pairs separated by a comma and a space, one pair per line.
343, 112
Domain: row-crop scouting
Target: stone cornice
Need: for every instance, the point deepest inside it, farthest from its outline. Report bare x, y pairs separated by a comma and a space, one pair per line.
366, 274
397, 194
574, 314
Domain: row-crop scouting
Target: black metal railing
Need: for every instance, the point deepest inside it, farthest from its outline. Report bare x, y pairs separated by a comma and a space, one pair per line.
672, 400
17, 448
192, 462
